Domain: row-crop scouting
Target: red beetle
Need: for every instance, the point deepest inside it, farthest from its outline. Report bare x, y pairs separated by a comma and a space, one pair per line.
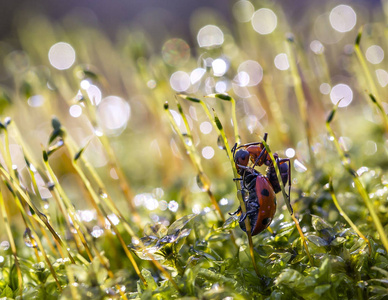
260, 202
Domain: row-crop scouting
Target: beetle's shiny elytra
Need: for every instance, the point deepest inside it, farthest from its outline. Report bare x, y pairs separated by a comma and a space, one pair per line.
260, 205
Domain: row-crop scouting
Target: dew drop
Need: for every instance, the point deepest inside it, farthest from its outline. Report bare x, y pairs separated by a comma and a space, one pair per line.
203, 182
188, 140
220, 143
299, 167
29, 239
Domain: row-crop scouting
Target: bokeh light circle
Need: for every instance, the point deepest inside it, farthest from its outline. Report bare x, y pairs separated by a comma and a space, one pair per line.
250, 73
208, 152
264, 21
196, 75
219, 67
374, 54
180, 81
210, 36
281, 62
61, 56
382, 77
343, 18
114, 113
341, 92
176, 52
325, 88
243, 11
317, 47
75, 111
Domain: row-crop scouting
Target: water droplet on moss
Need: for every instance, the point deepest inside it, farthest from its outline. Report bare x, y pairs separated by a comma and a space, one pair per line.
29, 239
220, 142
203, 182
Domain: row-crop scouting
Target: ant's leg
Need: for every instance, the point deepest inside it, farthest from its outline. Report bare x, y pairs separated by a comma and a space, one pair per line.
264, 151
265, 137
236, 212
233, 150
287, 161
244, 216
249, 144
237, 179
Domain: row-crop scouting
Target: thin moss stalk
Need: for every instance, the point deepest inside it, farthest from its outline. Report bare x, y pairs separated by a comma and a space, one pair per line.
194, 156
38, 216
276, 110
102, 211
79, 226
287, 200
69, 142
34, 237
73, 290
227, 97
372, 86
112, 161
239, 194
221, 132
301, 99
360, 188
345, 216
11, 242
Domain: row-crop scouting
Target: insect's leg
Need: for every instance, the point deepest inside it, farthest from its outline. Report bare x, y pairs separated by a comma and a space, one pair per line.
249, 144
265, 137
234, 149
263, 152
244, 216
236, 212
287, 161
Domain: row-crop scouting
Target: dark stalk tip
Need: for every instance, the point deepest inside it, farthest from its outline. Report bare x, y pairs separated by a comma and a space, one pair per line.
352, 172
192, 99
358, 38
45, 156
179, 107
331, 116
165, 105
218, 122
373, 98
9, 187
223, 97
78, 154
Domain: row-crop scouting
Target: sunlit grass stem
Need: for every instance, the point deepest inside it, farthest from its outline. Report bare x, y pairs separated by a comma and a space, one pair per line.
36, 238
301, 98
226, 97
366, 72
221, 132
287, 200
78, 225
345, 216
247, 221
11, 242
361, 190
38, 216
102, 211
112, 160
194, 156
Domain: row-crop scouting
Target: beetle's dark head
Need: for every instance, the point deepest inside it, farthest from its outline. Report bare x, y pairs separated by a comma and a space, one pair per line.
241, 158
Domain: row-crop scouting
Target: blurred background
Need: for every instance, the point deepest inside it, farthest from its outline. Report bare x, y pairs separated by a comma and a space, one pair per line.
106, 68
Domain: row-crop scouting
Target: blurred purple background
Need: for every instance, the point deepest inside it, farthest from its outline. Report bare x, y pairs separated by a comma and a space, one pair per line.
174, 15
